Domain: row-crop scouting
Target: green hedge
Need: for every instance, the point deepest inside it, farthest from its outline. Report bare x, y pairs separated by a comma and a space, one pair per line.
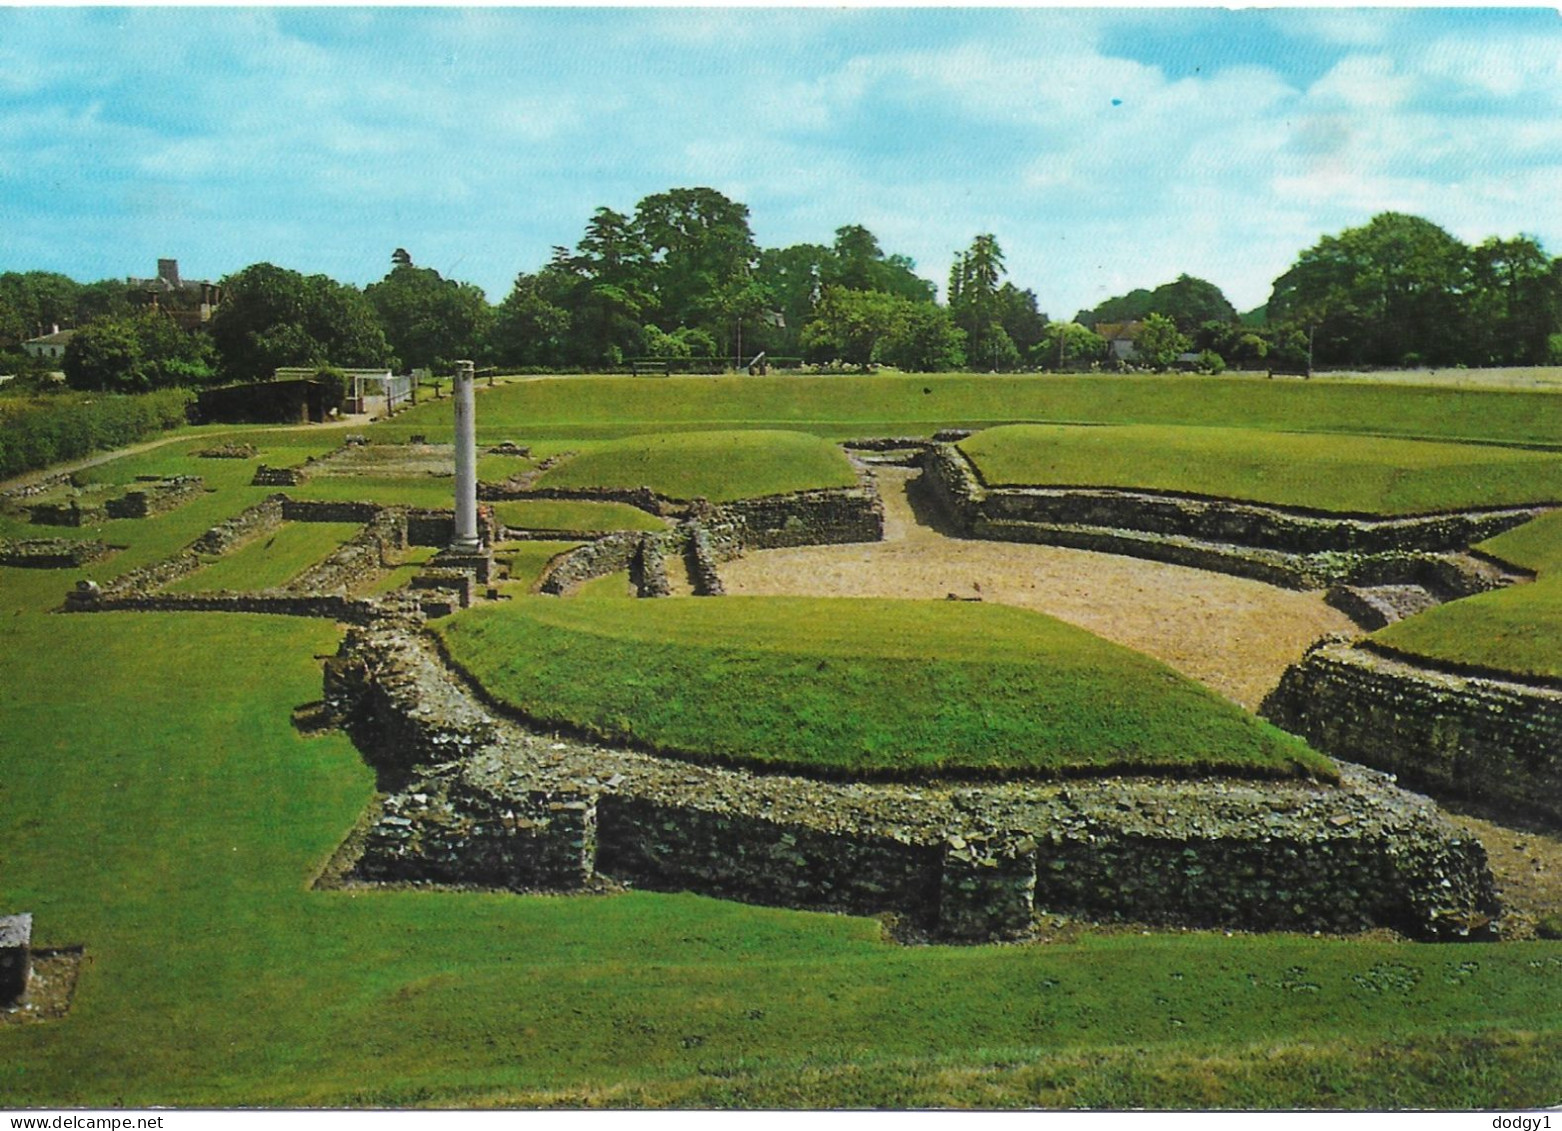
46, 430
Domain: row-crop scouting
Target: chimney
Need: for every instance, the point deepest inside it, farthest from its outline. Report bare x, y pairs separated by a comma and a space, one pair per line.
168, 270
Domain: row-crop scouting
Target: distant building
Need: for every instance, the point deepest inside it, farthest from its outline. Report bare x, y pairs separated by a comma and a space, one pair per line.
189, 302
1120, 338
51, 345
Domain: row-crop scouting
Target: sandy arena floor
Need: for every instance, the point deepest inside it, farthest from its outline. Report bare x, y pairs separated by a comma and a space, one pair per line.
1231, 634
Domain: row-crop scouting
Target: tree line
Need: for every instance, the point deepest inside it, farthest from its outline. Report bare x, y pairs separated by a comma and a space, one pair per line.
682, 277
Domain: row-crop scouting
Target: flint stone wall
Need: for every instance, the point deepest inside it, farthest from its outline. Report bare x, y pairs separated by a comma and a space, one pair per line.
51, 553
1282, 546
39, 487
155, 498
357, 560
966, 861
64, 514
275, 602
130, 589
709, 535
1465, 736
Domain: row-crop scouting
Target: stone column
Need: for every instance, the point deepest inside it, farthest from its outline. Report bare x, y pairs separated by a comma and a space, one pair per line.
466, 540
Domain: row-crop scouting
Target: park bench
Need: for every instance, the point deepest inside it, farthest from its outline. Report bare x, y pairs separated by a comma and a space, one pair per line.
648, 368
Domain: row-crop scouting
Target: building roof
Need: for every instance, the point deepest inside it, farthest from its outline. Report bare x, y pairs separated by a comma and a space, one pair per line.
58, 338
1119, 331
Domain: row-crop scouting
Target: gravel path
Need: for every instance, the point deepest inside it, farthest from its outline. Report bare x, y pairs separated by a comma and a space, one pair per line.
1234, 635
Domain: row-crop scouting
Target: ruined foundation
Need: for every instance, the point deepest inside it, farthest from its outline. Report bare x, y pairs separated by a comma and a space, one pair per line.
478, 800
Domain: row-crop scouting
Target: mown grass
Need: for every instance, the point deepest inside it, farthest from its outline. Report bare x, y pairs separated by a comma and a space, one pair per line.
526, 561
1517, 630
572, 514
435, 493
861, 687
173, 825
270, 560
840, 407
160, 809
1352, 474
719, 466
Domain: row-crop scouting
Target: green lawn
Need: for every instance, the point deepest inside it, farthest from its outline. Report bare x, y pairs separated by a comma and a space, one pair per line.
1353, 474
433, 492
160, 809
572, 514
527, 560
720, 466
1516, 630
271, 560
840, 407
173, 825
860, 687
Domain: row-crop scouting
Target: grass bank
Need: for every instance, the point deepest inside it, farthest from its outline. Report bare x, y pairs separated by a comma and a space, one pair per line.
1516, 630
1350, 474
861, 687
719, 466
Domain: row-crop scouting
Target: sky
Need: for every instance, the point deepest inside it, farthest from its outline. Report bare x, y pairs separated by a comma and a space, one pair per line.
1105, 148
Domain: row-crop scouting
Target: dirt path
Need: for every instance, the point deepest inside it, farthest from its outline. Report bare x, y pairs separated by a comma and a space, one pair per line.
1233, 635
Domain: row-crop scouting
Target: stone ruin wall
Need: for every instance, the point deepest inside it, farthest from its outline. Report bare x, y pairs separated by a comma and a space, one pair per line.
51, 553
481, 802
156, 497
1486, 738
1280, 546
711, 534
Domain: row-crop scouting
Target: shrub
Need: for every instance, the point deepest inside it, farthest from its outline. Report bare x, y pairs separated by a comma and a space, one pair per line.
51, 429
333, 387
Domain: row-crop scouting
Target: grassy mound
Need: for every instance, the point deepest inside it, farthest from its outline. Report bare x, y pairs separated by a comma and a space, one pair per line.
720, 466
1516, 630
861, 687
1350, 474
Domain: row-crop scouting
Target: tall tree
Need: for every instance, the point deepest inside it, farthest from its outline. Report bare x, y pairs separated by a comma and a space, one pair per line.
974, 304
1514, 303
700, 247
1389, 293
1188, 301
272, 317
136, 353
530, 326
428, 320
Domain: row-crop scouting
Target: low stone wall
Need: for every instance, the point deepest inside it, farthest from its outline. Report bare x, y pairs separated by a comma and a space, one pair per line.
360, 559
278, 476
39, 487
1281, 546
598, 558
276, 602
642, 498
491, 802
51, 553
1464, 736
648, 570
72, 514
318, 510
155, 498
808, 518
130, 589
701, 551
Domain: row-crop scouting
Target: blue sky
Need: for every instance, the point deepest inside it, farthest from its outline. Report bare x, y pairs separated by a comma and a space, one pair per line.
1105, 148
